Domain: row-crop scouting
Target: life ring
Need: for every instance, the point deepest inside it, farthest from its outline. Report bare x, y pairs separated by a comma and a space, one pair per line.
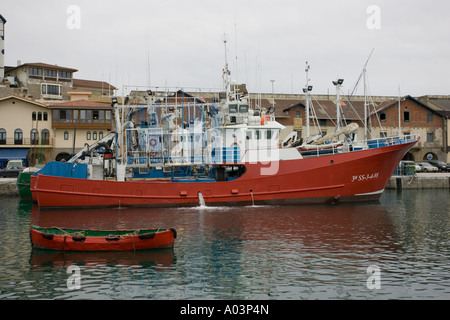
153, 142
152, 154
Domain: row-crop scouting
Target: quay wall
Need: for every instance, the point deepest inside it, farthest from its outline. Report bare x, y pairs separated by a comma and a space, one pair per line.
8, 187
439, 180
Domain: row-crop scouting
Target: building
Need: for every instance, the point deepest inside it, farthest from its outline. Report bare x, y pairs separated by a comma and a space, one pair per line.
25, 131
411, 116
76, 123
441, 104
100, 90
41, 81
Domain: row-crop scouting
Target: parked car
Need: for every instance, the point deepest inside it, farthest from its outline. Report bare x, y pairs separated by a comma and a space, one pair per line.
441, 165
405, 167
426, 167
13, 168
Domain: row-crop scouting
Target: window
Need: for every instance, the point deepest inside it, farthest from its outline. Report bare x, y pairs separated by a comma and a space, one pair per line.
50, 73
45, 137
430, 137
383, 134
95, 115
406, 116
257, 135
2, 136
35, 72
100, 135
89, 116
65, 115
82, 115
39, 116
383, 116
88, 135
243, 108
323, 122
65, 75
51, 89
430, 117
232, 108
268, 134
34, 136
94, 135
298, 113
18, 136
66, 135
33, 116
45, 116
62, 115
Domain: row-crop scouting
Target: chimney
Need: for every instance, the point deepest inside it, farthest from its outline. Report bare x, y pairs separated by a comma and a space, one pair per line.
2, 48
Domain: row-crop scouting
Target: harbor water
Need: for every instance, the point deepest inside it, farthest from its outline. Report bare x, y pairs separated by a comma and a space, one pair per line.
397, 248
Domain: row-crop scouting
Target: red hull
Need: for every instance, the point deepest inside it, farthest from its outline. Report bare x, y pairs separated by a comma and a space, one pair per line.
354, 176
163, 239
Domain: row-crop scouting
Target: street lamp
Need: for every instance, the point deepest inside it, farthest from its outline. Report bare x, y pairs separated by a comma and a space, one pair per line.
338, 84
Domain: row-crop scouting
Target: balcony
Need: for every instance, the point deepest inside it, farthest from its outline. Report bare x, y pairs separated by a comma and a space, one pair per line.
26, 143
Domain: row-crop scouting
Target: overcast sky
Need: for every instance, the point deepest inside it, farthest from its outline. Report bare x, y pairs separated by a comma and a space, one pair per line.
178, 43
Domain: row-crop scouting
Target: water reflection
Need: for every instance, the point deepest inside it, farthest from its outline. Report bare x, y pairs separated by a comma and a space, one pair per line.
254, 252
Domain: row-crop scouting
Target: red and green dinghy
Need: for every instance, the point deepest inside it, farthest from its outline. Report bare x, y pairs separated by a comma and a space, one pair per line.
101, 240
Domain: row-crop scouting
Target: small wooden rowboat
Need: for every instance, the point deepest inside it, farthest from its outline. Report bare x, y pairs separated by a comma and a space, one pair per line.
101, 240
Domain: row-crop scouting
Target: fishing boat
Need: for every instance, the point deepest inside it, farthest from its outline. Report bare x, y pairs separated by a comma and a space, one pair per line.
24, 182
180, 150
101, 240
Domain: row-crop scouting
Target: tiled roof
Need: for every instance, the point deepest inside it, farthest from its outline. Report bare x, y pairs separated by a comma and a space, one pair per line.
92, 84
80, 104
12, 96
45, 65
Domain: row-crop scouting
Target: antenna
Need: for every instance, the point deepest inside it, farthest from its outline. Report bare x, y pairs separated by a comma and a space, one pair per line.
226, 71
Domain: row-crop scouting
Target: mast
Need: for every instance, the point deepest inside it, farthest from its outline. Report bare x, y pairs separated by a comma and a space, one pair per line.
365, 95
306, 90
226, 70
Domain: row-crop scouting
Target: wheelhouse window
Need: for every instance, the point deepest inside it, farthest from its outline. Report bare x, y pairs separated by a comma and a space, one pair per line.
243, 108
233, 108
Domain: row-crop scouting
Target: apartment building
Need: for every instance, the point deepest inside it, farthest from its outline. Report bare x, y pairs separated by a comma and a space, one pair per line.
25, 131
